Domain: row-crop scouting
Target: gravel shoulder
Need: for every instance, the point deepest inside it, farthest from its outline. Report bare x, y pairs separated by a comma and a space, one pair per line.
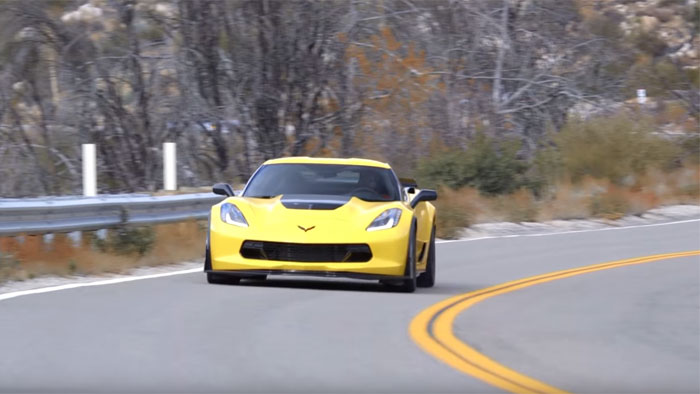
661, 215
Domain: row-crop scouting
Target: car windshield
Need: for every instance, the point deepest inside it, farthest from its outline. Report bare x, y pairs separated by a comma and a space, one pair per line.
364, 182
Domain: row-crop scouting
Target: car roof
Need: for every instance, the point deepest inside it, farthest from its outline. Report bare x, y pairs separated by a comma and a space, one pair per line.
326, 160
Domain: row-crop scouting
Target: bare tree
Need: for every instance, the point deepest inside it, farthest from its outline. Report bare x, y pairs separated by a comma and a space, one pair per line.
236, 82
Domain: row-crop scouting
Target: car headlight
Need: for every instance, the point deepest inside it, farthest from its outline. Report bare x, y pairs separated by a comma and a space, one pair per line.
232, 215
387, 219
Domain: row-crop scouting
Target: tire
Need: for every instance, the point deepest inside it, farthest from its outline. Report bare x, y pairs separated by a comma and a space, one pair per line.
409, 285
207, 258
427, 278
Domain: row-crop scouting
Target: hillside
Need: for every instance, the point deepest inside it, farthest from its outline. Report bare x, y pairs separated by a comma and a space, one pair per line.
408, 82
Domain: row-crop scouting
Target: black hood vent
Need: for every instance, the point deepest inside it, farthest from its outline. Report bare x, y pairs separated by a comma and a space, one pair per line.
314, 201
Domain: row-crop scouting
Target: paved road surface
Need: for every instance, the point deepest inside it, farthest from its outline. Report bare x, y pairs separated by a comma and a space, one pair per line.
631, 329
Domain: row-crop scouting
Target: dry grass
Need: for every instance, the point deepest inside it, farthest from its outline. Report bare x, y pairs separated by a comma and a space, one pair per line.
28, 257
586, 198
520, 206
456, 209
461, 208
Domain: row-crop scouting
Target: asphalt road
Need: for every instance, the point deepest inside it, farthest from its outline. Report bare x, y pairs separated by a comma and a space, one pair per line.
631, 329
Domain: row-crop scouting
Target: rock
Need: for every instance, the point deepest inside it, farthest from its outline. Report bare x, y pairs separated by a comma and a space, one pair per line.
685, 51
648, 23
19, 87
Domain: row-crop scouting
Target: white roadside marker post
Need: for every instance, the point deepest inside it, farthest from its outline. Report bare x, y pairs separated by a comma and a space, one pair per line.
89, 171
641, 96
89, 187
169, 166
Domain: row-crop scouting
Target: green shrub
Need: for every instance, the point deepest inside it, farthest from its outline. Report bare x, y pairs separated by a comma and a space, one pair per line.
649, 43
72, 266
690, 147
8, 265
487, 164
692, 15
446, 169
612, 148
545, 170
127, 240
658, 78
605, 27
497, 167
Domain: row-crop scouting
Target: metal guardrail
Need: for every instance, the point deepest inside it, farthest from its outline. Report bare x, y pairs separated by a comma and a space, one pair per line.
61, 214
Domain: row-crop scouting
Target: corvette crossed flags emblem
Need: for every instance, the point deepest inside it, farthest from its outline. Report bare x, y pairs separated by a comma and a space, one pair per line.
307, 229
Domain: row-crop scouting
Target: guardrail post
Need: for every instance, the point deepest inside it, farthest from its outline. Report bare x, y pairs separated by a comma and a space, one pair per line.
101, 234
89, 171
76, 237
169, 166
48, 239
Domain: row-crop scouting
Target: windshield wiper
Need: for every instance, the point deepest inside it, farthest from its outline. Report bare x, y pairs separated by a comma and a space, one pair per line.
263, 196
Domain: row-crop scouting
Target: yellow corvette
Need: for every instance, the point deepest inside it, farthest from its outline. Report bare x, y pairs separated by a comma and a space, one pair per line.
323, 217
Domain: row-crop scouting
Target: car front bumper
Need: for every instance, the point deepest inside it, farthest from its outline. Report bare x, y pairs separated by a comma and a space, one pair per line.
324, 274
388, 259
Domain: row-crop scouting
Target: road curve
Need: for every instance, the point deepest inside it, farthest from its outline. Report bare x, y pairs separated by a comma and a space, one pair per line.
632, 329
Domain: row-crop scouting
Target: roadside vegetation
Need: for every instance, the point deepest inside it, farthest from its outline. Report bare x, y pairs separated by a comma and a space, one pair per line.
27, 257
604, 167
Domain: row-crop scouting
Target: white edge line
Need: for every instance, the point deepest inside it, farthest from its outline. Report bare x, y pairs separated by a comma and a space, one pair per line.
445, 241
50, 289
7, 296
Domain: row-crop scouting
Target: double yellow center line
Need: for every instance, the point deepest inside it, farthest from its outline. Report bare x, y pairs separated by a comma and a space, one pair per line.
431, 329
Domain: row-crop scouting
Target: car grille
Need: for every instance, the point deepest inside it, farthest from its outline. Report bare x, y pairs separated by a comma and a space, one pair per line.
311, 253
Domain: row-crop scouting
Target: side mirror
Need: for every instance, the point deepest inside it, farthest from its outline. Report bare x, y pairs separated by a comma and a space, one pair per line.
424, 195
223, 189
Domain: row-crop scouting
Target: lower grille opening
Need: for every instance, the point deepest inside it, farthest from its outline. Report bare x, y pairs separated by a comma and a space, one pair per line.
312, 253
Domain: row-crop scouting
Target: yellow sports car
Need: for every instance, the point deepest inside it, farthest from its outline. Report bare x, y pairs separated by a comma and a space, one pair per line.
323, 217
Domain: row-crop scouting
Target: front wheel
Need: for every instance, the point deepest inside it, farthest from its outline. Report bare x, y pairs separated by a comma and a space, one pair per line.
427, 278
409, 285
207, 257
